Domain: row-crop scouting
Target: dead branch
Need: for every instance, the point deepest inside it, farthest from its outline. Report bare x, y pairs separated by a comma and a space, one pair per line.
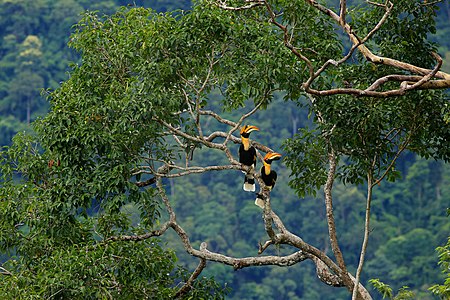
196, 139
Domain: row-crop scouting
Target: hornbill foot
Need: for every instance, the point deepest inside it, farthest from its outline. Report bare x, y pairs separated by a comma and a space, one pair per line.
259, 200
249, 184
248, 187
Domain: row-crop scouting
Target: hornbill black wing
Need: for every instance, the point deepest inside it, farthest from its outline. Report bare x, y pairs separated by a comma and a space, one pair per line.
248, 157
273, 178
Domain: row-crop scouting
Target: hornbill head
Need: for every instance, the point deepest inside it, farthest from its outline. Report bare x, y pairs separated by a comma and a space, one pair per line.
271, 156
246, 129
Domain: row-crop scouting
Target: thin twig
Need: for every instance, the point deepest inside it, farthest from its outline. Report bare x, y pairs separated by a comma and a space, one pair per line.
222, 4
241, 119
188, 285
5, 272
366, 235
400, 150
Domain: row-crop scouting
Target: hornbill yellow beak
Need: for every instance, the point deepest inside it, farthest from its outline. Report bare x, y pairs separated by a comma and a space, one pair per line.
246, 129
271, 156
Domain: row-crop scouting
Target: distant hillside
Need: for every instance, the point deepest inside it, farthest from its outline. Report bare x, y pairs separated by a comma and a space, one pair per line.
34, 53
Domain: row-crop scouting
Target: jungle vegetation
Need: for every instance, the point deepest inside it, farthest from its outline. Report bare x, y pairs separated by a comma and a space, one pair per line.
120, 178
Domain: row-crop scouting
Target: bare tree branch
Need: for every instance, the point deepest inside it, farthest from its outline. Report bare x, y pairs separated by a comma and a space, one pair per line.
394, 159
342, 12
329, 210
189, 137
147, 182
217, 117
263, 247
254, 3
366, 235
197, 170
422, 81
241, 119
188, 285
3, 271
324, 274
141, 237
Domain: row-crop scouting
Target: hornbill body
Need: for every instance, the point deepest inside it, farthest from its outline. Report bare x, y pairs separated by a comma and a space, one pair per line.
247, 156
268, 176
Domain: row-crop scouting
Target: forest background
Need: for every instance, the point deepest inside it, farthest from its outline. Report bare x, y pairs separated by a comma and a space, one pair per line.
409, 217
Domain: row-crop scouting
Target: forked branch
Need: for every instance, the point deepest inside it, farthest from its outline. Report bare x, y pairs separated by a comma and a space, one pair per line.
420, 78
334, 274
189, 283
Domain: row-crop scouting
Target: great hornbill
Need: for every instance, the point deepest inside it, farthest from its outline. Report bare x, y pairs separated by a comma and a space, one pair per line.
247, 156
268, 176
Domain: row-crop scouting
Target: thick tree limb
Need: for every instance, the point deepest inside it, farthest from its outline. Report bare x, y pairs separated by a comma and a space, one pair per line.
239, 263
197, 170
329, 210
324, 274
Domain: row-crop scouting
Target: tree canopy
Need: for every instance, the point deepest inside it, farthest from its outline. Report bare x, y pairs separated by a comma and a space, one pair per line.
158, 97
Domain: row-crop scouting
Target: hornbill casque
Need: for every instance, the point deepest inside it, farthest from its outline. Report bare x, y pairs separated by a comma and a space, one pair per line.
268, 176
247, 156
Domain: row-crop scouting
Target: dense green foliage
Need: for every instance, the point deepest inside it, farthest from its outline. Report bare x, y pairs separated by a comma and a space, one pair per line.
444, 261
77, 185
53, 250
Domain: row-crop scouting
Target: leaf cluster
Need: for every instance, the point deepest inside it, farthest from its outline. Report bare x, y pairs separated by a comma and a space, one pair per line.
443, 290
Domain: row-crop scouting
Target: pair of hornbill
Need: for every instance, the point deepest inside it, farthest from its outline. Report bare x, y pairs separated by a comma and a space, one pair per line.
247, 156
